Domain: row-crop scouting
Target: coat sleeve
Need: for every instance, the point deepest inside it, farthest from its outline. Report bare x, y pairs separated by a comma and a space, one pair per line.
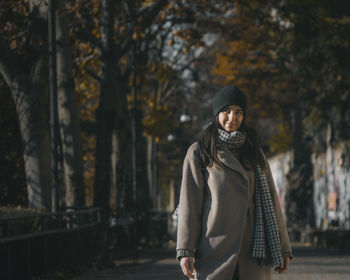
190, 204
283, 233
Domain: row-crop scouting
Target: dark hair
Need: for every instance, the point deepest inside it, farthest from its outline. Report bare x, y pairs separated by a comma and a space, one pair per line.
250, 151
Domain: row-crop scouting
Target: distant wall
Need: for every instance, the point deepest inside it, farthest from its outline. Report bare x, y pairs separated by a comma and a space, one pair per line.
332, 188
331, 184
280, 166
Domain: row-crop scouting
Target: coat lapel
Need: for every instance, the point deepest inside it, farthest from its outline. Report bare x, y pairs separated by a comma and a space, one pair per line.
227, 158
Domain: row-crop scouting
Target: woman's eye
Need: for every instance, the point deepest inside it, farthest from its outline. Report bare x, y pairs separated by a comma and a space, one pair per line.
228, 111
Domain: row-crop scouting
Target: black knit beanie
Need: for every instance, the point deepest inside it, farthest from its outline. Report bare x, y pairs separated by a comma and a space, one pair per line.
229, 95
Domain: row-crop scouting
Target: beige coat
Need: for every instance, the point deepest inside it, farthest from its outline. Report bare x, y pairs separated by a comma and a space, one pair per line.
214, 213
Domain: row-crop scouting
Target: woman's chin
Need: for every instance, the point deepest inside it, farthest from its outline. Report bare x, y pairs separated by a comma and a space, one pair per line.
230, 129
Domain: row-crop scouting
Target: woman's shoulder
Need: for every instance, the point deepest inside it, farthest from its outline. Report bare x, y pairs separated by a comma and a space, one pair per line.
193, 150
194, 146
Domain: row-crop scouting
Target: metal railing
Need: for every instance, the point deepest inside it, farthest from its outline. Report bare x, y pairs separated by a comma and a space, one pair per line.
33, 244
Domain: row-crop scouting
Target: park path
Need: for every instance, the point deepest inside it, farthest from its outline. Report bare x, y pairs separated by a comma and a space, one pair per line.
156, 264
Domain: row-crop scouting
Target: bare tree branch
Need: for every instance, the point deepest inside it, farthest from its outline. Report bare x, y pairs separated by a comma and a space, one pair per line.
144, 22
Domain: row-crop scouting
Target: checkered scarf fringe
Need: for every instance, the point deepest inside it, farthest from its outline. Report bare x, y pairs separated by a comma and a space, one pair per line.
266, 248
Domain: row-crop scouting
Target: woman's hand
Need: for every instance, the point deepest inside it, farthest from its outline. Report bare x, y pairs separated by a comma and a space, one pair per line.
284, 266
187, 266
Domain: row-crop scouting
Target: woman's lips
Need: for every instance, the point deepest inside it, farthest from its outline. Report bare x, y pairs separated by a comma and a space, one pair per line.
231, 124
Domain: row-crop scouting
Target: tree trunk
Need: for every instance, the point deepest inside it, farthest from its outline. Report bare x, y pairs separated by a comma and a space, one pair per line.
73, 178
124, 175
27, 78
106, 112
123, 163
113, 200
299, 206
143, 201
152, 170
29, 92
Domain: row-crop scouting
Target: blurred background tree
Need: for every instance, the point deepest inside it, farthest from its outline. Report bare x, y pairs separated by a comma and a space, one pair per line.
24, 68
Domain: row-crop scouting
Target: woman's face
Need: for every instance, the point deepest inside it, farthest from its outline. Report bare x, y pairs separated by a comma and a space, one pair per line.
231, 117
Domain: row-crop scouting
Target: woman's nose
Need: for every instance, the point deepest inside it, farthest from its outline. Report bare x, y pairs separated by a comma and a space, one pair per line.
231, 115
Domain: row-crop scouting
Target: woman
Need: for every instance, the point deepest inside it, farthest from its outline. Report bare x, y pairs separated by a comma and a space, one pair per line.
230, 225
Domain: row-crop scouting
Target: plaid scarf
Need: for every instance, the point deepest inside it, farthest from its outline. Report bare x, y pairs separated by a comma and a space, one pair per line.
266, 248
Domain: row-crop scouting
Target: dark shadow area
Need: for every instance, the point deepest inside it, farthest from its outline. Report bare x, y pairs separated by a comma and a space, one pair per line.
312, 251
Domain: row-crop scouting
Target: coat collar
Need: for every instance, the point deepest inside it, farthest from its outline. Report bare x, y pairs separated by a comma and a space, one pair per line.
227, 158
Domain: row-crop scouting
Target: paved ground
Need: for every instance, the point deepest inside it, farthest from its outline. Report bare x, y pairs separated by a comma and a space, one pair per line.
308, 264
311, 264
